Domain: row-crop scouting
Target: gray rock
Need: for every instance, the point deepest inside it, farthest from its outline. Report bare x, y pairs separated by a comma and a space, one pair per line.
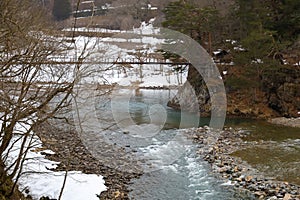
272, 198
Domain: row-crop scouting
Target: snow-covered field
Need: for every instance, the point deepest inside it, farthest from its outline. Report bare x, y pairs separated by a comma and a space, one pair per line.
138, 45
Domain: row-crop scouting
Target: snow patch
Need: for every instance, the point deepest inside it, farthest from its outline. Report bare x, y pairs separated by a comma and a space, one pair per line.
38, 178
78, 185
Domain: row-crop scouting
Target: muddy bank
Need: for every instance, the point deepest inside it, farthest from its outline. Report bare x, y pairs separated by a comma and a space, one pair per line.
217, 148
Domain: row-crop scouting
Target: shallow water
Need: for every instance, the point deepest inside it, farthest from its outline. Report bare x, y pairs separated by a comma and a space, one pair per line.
275, 150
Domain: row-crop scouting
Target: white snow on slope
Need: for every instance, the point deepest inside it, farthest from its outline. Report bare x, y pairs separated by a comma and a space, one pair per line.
142, 42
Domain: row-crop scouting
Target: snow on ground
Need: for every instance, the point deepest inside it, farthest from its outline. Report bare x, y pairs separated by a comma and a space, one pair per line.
142, 42
41, 181
140, 45
78, 185
101, 30
145, 29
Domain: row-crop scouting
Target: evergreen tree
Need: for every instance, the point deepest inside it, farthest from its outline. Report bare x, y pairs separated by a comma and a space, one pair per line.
192, 20
287, 20
281, 17
61, 9
266, 27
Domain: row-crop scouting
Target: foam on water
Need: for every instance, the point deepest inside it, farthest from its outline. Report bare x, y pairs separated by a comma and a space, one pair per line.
187, 177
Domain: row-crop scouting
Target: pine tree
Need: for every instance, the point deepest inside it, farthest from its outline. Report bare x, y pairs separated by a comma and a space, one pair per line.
192, 20
287, 21
266, 27
61, 9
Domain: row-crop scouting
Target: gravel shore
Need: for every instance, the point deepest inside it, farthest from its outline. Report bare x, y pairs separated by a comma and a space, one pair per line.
292, 122
73, 155
217, 148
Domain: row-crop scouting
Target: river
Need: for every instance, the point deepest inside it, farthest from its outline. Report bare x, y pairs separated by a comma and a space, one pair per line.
171, 165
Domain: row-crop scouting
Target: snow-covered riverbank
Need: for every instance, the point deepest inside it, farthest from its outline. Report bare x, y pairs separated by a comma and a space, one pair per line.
39, 177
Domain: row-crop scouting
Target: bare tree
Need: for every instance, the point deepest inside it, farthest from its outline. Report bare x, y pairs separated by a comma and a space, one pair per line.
29, 81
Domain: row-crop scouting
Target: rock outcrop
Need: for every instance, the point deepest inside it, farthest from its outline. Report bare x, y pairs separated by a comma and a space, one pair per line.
282, 88
193, 96
278, 94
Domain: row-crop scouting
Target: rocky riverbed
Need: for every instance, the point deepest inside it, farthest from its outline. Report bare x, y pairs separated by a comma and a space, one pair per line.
216, 148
